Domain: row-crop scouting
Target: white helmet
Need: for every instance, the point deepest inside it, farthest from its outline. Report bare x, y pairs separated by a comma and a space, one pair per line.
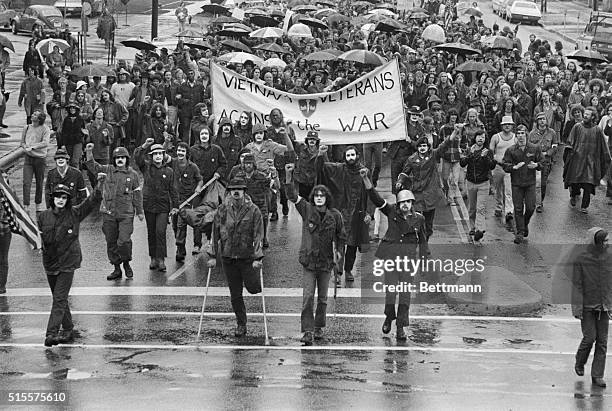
404, 195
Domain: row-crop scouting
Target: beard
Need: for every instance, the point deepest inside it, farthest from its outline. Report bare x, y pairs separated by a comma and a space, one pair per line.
351, 163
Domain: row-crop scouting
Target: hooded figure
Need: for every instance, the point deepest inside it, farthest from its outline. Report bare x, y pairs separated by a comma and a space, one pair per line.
229, 143
243, 127
73, 134
592, 302
201, 119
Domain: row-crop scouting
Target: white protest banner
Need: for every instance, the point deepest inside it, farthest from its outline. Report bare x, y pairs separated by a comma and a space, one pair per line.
368, 110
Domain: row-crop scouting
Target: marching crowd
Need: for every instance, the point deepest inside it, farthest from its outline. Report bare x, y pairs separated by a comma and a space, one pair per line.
145, 140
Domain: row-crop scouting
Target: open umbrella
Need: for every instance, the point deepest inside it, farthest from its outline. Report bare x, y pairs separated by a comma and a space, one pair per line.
299, 30
384, 12
387, 6
274, 62
45, 47
6, 43
324, 13
234, 31
337, 18
363, 57
267, 33
361, 3
498, 42
434, 33
327, 3
236, 45
316, 23
224, 20
587, 56
92, 70
190, 33
277, 13
292, 3
240, 58
320, 56
305, 8
264, 21
200, 45
475, 66
368, 27
254, 11
215, 9
389, 25
273, 47
472, 11
457, 48
335, 52
238, 26
139, 43
419, 15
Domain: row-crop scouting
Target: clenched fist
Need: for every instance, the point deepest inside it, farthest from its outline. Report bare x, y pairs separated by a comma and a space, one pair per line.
363, 172
257, 264
289, 167
211, 263
149, 142
89, 147
323, 149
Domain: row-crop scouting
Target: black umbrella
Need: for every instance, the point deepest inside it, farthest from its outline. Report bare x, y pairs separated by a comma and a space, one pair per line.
498, 42
233, 32
457, 48
264, 21
201, 45
305, 8
389, 25
337, 18
6, 43
215, 9
589, 56
273, 47
312, 22
138, 43
225, 20
236, 45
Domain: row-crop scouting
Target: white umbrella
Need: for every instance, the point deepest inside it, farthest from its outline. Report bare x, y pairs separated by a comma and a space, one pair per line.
267, 33
274, 62
240, 57
383, 12
45, 47
434, 33
299, 30
368, 28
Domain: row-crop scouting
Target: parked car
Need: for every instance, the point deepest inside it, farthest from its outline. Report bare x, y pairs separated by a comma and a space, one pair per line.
49, 18
498, 6
69, 7
522, 10
6, 15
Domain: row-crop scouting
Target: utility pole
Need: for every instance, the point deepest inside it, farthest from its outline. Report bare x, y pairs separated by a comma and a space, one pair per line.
594, 5
154, 18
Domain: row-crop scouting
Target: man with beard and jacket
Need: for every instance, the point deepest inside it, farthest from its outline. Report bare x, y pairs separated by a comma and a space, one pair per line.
229, 143
400, 150
279, 131
586, 159
305, 174
351, 199
188, 95
122, 199
592, 302
237, 237
187, 180
116, 115
322, 226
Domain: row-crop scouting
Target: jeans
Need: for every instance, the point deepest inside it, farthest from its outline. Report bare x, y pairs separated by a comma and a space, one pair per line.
594, 326
185, 127
156, 233
5, 244
237, 274
403, 308
503, 190
372, 155
180, 233
451, 174
587, 189
544, 173
478, 195
524, 199
312, 280
75, 152
118, 234
60, 311
33, 167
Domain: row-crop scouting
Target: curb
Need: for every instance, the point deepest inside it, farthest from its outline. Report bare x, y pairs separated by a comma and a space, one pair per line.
563, 36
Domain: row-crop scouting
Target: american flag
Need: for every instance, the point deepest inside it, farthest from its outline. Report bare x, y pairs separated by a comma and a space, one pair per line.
19, 220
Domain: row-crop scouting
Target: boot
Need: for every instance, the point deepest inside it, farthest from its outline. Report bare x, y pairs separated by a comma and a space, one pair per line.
274, 216
153, 265
478, 235
579, 370
40, 208
401, 334
161, 266
349, 276
240, 331
285, 208
386, 328
67, 337
116, 274
598, 381
129, 273
307, 338
51, 340
180, 253
318, 334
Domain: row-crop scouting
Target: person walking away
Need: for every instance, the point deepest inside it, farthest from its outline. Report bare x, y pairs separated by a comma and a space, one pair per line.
187, 180
521, 161
182, 15
592, 302
59, 227
586, 159
35, 140
122, 198
322, 228
500, 142
547, 139
478, 162
406, 231
237, 237
64, 174
31, 94
159, 198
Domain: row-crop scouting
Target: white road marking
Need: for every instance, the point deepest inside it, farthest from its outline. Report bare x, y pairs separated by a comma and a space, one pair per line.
292, 348
464, 210
459, 222
560, 320
184, 268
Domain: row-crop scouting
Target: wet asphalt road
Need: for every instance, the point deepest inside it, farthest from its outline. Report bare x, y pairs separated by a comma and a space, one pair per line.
137, 345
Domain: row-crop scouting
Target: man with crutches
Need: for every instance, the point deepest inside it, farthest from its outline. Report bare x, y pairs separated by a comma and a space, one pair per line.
237, 237
322, 226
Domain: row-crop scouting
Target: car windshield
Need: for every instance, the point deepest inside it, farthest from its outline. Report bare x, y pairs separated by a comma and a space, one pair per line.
525, 5
51, 12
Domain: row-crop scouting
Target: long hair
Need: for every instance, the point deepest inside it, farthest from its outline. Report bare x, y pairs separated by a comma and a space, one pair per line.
329, 199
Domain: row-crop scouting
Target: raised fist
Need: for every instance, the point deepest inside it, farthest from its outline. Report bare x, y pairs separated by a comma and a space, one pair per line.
289, 167
149, 142
363, 172
323, 149
211, 263
101, 177
89, 147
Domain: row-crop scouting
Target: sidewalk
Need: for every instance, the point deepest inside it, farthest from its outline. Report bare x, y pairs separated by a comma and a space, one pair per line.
566, 19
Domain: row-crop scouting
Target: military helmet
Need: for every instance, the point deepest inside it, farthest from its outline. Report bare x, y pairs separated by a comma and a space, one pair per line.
62, 189
404, 195
121, 152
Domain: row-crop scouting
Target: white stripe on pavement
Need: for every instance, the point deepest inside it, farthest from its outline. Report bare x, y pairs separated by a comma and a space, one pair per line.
172, 291
459, 223
297, 315
292, 348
